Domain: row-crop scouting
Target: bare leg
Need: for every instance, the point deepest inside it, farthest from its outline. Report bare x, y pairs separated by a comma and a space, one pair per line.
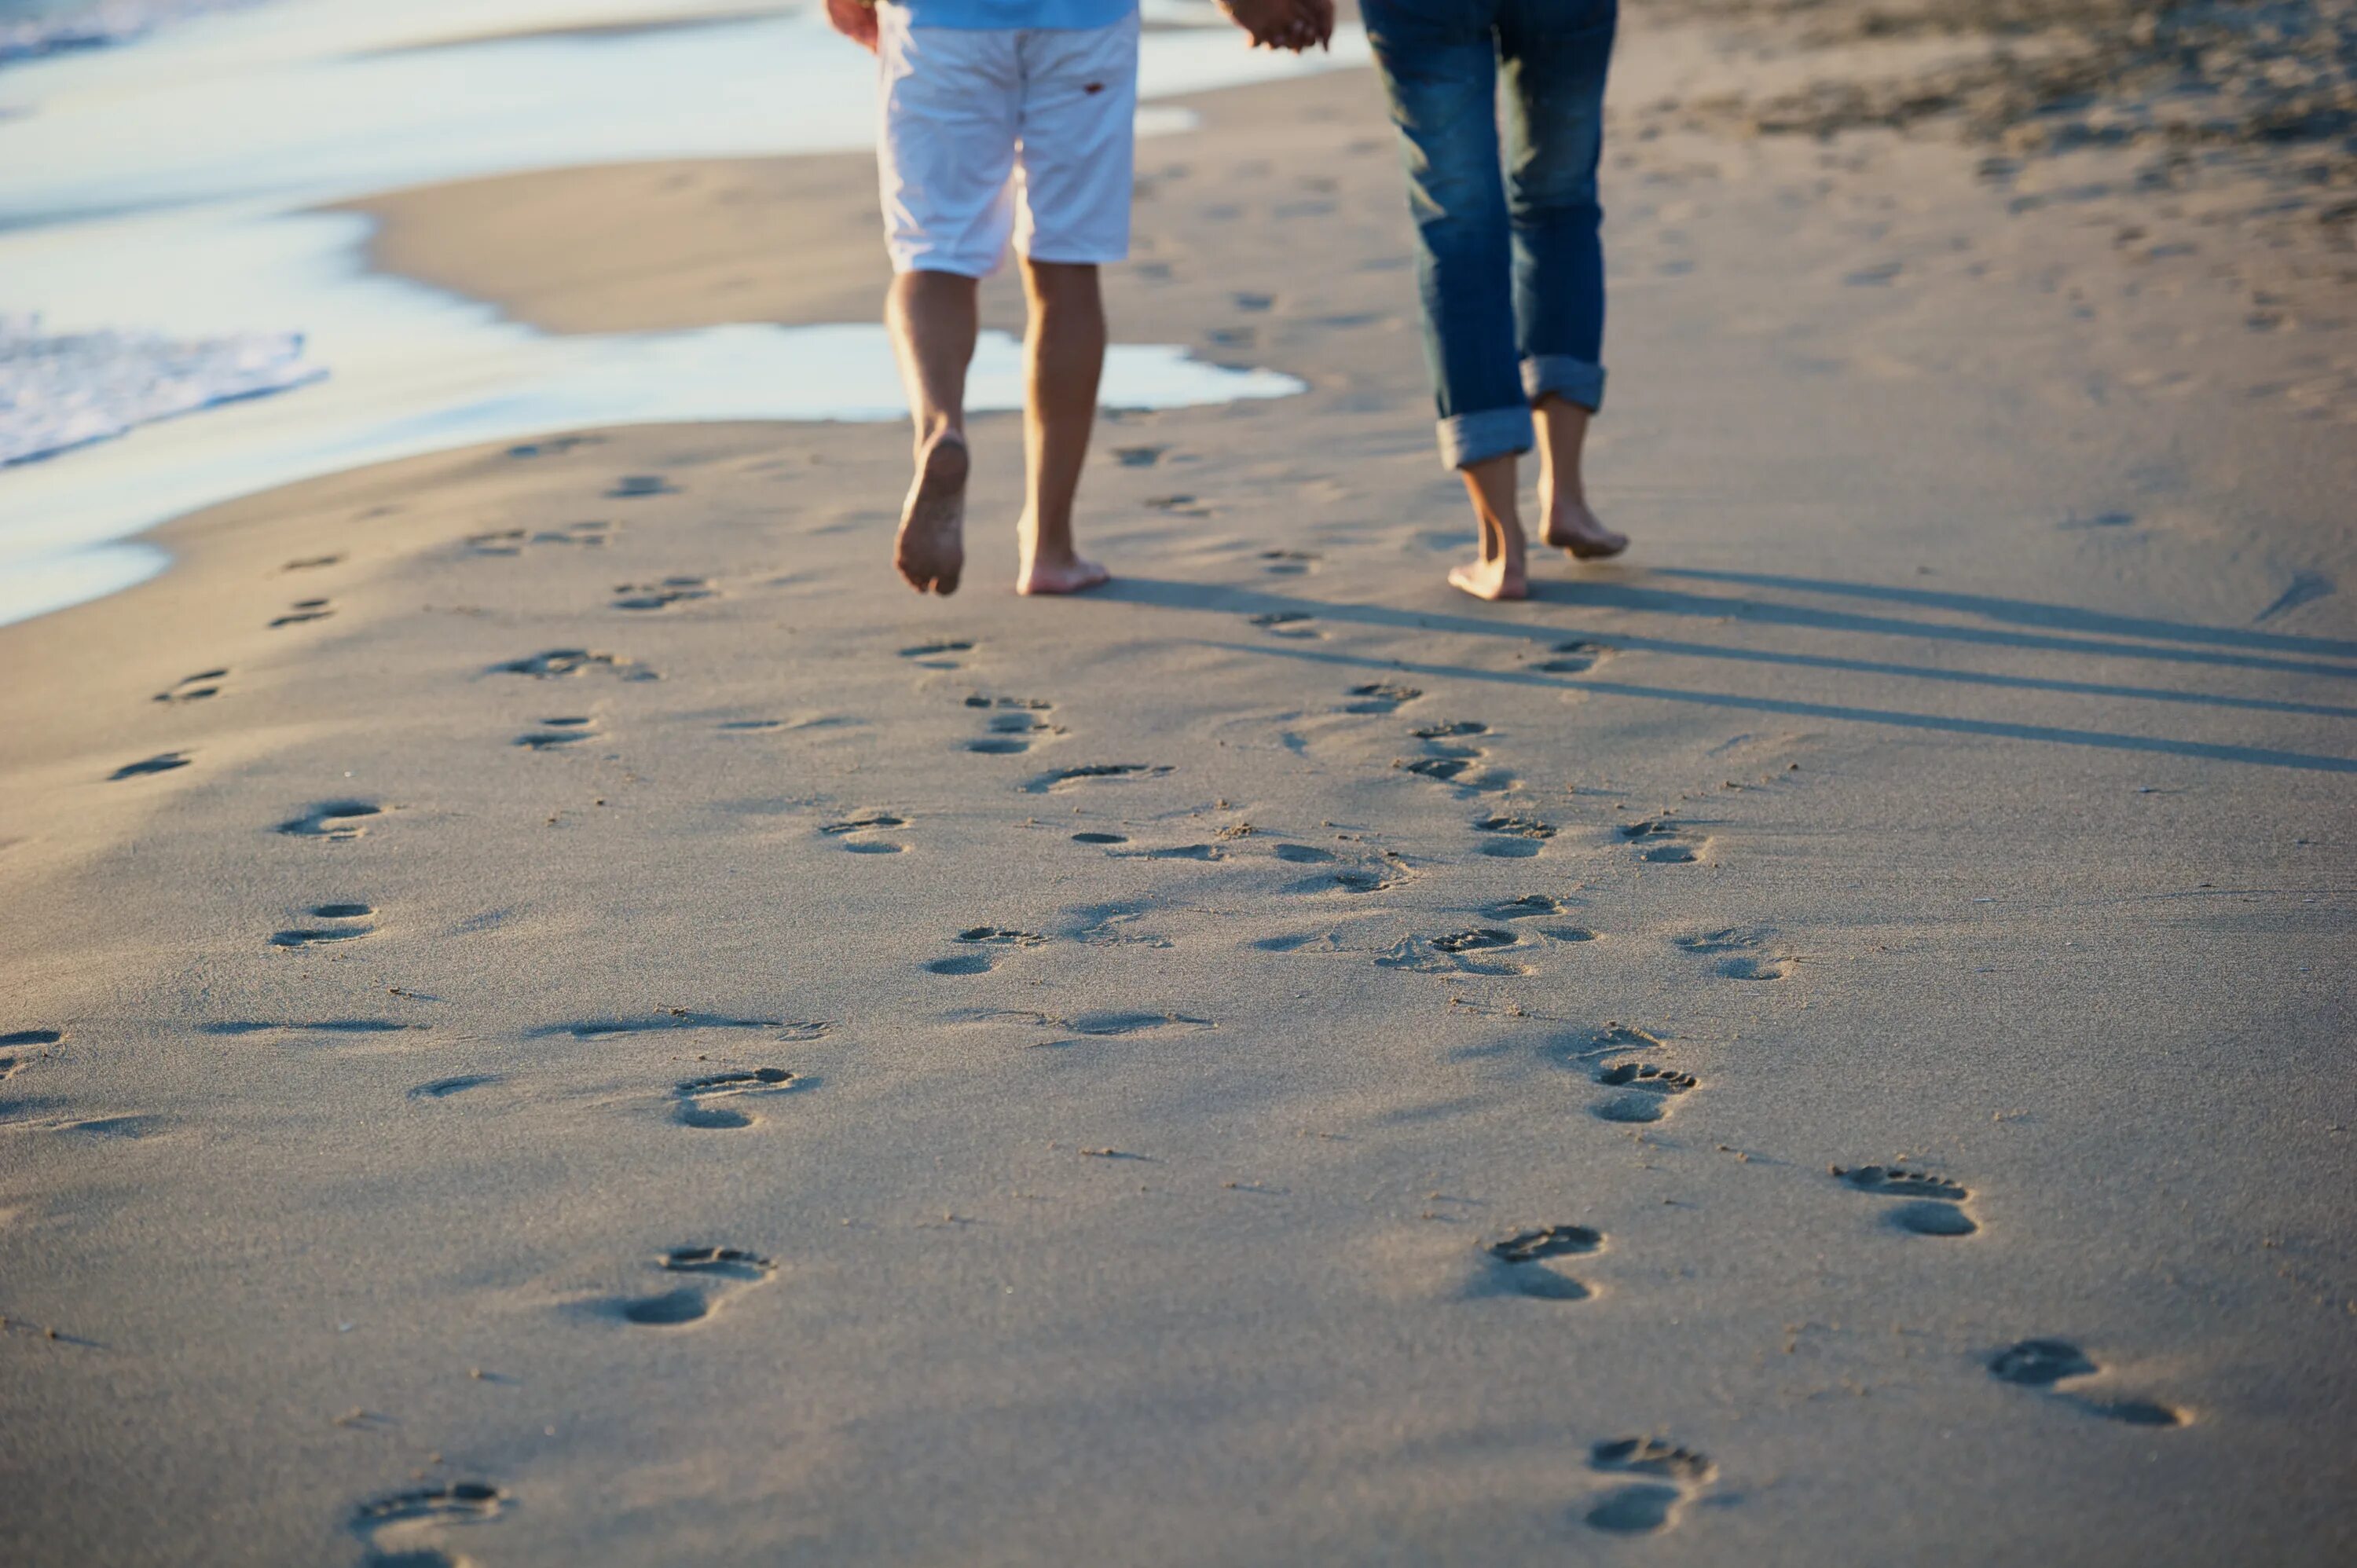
1563, 494
934, 318
1501, 572
1065, 354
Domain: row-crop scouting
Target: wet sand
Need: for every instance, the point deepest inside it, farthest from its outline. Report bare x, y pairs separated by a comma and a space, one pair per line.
556, 1013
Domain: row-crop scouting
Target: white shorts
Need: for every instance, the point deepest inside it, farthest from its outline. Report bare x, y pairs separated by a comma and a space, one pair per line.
993, 134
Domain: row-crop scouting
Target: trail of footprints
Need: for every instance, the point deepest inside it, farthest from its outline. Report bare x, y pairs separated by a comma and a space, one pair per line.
1656, 1480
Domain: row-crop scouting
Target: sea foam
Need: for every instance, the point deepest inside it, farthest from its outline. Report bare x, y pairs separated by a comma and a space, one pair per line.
58, 392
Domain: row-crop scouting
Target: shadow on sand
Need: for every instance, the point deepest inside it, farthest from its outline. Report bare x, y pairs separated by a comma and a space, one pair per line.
2081, 634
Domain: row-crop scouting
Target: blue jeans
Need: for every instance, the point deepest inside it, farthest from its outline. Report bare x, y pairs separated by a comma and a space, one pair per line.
1509, 258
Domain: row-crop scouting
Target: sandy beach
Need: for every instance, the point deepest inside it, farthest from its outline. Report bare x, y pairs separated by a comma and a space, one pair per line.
556, 1013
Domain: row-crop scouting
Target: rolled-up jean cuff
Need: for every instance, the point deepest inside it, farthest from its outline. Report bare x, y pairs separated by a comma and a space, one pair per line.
1574, 381
1476, 437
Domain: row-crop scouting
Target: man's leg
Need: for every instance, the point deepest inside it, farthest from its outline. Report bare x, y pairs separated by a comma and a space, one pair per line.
946, 158
1556, 55
1080, 111
1063, 358
933, 319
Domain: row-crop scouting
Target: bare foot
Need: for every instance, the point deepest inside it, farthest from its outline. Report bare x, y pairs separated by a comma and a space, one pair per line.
1497, 578
1571, 526
931, 548
1069, 575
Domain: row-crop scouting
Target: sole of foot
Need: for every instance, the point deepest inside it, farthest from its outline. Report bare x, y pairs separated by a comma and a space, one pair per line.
929, 550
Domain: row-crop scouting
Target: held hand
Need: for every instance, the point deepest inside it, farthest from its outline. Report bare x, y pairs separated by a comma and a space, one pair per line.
1313, 22
856, 20
1282, 24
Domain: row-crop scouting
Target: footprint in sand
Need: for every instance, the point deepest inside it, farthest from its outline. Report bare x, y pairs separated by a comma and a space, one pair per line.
239, 1027
706, 1102
444, 1088
983, 939
338, 820
497, 542
399, 1529
712, 1270
1660, 841
1200, 851
1179, 506
662, 594
1739, 953
511, 541
1115, 1024
632, 487
941, 653
12, 1064
1934, 1206
1289, 563
1098, 836
1449, 757
864, 835
1138, 457
1013, 732
559, 663
1360, 879
554, 445
303, 610
569, 730
1303, 855
312, 563
1380, 697
1299, 624
344, 923
2043, 1363
162, 763
1050, 783
1541, 907
194, 688
1458, 952
1645, 1090
679, 1018
1641, 1507
1572, 657
1584, 1047
1517, 1264
1513, 837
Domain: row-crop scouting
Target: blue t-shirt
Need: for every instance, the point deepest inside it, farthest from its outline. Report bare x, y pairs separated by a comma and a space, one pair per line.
975, 15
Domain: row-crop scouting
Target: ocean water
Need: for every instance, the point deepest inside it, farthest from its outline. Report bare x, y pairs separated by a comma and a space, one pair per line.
159, 213
31, 27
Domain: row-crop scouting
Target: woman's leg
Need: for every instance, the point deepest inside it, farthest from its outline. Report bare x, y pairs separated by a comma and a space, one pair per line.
1556, 55
1438, 61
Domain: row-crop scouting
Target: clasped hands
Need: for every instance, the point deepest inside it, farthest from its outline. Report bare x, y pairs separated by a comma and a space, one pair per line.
1293, 25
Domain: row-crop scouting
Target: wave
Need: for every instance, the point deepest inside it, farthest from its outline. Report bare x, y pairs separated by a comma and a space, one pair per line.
29, 29
59, 392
